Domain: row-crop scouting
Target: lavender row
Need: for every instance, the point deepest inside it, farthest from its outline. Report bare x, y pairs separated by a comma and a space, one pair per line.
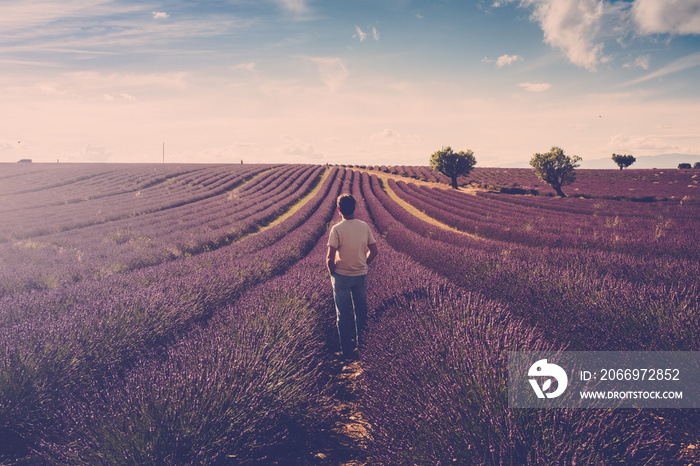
439, 359
147, 240
584, 310
86, 211
435, 354
160, 217
631, 229
417, 172
483, 430
117, 181
498, 211
637, 184
20, 179
484, 222
670, 226
155, 414
634, 269
264, 394
190, 187
569, 204
55, 341
54, 303
642, 184
97, 247
671, 223
487, 201
248, 386
169, 194
205, 217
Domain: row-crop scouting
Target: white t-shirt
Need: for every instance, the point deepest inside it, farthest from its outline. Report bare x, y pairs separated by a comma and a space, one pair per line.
350, 238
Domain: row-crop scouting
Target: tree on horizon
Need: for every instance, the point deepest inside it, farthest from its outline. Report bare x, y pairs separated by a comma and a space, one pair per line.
555, 168
623, 161
453, 164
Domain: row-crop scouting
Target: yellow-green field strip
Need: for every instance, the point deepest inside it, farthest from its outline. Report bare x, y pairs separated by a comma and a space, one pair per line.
418, 213
301, 203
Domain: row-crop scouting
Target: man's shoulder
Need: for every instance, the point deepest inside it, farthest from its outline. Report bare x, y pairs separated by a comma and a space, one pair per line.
339, 226
350, 225
357, 224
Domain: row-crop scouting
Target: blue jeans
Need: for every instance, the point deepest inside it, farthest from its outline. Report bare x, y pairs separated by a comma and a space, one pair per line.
350, 293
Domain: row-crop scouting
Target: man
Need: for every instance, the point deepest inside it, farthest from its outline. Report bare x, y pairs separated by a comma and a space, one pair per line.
351, 248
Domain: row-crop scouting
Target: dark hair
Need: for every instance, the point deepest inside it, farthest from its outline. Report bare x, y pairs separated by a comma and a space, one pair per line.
346, 204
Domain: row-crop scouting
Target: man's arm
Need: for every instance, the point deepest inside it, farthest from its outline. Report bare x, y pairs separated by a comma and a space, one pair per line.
330, 259
372, 253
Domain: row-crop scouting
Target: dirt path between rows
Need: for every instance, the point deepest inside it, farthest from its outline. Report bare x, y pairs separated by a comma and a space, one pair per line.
351, 431
345, 439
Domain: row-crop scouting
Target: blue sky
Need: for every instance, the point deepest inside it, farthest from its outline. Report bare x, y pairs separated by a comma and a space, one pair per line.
360, 82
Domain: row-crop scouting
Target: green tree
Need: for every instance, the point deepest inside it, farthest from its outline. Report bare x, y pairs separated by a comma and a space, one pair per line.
453, 164
684, 166
696, 165
623, 161
555, 168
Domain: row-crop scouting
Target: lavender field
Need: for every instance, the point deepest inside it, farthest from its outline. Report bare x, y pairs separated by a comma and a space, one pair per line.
182, 314
631, 184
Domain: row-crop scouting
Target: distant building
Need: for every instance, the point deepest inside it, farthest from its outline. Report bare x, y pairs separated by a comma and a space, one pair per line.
24, 161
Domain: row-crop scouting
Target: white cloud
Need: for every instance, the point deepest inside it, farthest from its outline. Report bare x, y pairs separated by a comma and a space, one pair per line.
31, 14
93, 153
689, 61
667, 16
85, 85
389, 137
332, 70
572, 26
95, 27
6, 145
295, 6
162, 80
250, 66
29, 62
52, 90
486, 60
535, 87
362, 35
645, 144
578, 27
641, 61
294, 146
384, 135
506, 59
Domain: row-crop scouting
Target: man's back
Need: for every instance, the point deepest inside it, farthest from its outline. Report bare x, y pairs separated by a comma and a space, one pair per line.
351, 238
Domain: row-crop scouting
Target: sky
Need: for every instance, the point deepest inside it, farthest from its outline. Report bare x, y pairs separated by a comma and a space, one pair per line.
382, 82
